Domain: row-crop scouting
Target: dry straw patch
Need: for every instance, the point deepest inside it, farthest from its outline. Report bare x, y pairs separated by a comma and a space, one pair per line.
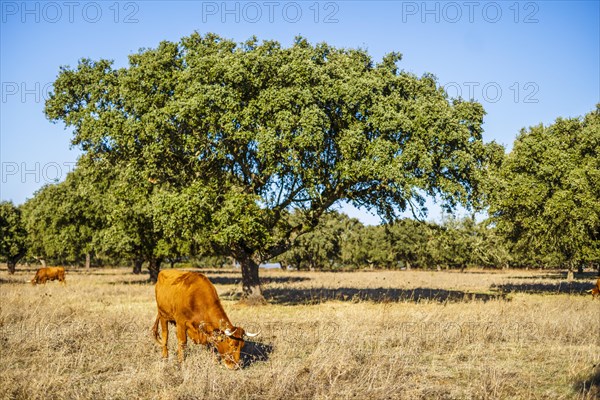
369, 335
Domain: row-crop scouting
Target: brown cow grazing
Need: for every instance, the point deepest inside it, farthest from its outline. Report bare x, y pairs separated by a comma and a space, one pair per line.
595, 291
190, 300
49, 274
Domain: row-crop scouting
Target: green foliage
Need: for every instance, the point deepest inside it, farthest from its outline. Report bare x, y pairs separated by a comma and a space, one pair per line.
13, 235
464, 243
321, 247
255, 129
342, 242
130, 230
63, 220
546, 197
413, 243
208, 148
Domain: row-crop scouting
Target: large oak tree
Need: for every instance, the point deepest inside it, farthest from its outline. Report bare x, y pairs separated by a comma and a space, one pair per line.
225, 139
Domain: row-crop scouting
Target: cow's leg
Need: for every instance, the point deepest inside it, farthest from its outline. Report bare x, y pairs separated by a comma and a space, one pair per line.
164, 326
181, 339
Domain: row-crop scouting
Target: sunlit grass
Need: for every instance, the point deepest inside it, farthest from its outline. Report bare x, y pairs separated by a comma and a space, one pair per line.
328, 335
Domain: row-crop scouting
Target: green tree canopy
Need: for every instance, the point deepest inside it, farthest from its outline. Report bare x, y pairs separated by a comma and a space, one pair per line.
13, 236
318, 249
64, 221
339, 241
547, 193
232, 136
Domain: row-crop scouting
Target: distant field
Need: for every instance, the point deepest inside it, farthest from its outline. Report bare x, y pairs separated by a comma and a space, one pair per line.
374, 335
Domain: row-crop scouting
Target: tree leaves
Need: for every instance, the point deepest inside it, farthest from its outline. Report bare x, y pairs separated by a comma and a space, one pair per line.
13, 236
547, 200
255, 129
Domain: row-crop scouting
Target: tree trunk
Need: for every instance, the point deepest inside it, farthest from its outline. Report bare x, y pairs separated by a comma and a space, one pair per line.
154, 268
580, 269
251, 290
571, 272
88, 261
570, 275
137, 266
12, 265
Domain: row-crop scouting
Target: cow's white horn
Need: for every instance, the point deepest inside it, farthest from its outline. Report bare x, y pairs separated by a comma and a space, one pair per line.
229, 333
252, 334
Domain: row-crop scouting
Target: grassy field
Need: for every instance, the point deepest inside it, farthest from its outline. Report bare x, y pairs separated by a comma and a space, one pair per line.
374, 335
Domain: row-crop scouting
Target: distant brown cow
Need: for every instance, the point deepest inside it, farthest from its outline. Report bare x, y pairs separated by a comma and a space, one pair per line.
49, 274
190, 300
595, 291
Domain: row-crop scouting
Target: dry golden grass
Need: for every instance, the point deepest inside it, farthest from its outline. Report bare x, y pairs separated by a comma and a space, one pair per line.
374, 335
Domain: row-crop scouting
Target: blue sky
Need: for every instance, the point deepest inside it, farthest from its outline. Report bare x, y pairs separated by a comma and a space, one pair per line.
527, 62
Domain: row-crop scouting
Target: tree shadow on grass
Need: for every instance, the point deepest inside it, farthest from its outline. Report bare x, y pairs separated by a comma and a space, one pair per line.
590, 386
19, 280
550, 276
253, 352
379, 295
146, 281
26, 280
218, 280
215, 271
225, 280
558, 275
561, 287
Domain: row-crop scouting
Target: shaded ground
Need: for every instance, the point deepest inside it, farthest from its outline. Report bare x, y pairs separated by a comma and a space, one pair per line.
293, 296
253, 352
237, 280
560, 275
560, 287
591, 385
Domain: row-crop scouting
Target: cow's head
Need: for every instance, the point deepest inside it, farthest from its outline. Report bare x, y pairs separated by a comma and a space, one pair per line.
229, 344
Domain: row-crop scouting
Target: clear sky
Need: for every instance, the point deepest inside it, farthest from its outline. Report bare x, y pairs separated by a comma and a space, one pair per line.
527, 62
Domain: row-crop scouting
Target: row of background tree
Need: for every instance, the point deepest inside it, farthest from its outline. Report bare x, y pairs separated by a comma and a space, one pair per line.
338, 242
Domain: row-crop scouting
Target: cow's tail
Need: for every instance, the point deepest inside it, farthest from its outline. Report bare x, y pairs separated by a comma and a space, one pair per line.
155, 330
